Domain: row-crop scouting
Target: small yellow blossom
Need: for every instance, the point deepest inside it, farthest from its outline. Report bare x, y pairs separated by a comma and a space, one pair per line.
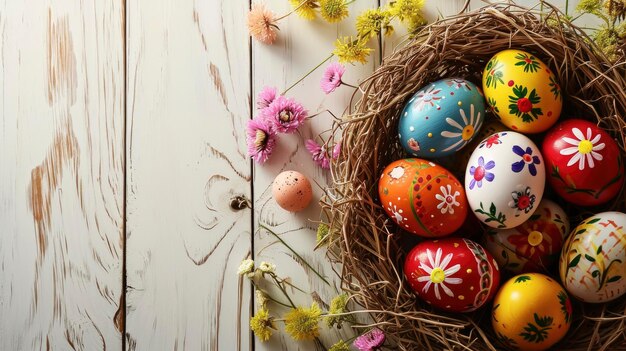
338, 305
607, 40
333, 10
371, 21
305, 8
340, 346
409, 12
266, 267
262, 324
322, 231
246, 268
350, 50
589, 6
303, 323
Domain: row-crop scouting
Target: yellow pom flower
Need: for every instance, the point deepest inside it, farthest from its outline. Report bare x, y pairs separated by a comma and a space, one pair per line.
322, 231
589, 6
305, 8
409, 12
333, 10
370, 22
340, 346
302, 323
262, 324
338, 305
350, 50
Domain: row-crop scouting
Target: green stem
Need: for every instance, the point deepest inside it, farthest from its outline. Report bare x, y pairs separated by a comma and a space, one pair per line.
566, 7
295, 253
307, 74
283, 290
268, 296
292, 285
350, 85
292, 11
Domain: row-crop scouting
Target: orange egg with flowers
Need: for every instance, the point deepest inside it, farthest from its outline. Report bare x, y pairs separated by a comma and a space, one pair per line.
422, 197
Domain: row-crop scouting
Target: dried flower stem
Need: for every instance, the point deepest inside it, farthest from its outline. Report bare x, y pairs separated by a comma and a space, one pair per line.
307, 74
295, 253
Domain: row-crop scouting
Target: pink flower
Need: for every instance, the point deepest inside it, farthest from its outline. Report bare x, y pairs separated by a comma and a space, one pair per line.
266, 97
318, 153
370, 341
261, 139
285, 114
332, 77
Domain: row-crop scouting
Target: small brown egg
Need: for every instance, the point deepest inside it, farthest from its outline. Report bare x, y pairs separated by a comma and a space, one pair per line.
292, 191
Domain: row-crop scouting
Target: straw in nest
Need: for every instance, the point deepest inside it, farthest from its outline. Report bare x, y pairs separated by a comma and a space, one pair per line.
367, 244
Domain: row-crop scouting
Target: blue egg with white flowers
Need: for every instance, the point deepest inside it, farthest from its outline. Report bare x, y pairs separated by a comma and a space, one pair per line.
441, 118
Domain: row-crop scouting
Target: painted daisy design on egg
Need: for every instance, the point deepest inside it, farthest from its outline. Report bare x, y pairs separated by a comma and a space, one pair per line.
464, 132
447, 199
427, 98
584, 148
439, 274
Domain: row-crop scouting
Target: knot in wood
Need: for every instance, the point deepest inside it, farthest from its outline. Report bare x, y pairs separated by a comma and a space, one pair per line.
239, 202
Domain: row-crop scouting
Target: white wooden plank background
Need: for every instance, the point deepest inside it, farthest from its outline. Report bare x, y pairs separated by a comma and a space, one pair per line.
61, 175
122, 146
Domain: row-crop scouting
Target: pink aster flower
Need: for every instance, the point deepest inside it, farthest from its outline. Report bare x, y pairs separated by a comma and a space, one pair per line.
370, 341
266, 97
332, 77
286, 115
318, 153
261, 139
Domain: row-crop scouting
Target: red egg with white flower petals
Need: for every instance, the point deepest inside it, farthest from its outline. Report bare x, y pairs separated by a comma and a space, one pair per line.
583, 163
453, 274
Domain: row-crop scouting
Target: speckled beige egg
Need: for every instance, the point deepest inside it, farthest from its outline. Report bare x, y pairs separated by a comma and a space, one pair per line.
292, 191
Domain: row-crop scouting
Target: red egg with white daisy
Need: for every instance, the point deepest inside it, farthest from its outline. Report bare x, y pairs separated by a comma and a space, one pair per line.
454, 274
583, 163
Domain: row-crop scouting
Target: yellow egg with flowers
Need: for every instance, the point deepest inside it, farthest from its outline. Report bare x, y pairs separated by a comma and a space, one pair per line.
522, 91
531, 312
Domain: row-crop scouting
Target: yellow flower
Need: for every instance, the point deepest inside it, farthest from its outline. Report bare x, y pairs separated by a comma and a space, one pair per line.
262, 324
322, 231
340, 346
333, 10
616, 8
305, 8
262, 299
350, 50
246, 268
370, 22
409, 12
338, 305
302, 323
607, 41
589, 6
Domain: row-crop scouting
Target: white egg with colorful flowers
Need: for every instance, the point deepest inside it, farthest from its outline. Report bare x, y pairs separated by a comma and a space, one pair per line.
441, 118
504, 179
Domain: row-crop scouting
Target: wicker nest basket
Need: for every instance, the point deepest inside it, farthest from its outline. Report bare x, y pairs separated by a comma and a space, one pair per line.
370, 247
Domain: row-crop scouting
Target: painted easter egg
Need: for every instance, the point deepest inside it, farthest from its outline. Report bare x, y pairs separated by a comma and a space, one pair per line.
460, 159
441, 118
593, 259
522, 91
583, 162
504, 180
292, 191
454, 274
531, 312
534, 245
422, 197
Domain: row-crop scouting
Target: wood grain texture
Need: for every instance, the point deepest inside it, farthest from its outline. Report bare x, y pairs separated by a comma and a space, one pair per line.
62, 175
188, 102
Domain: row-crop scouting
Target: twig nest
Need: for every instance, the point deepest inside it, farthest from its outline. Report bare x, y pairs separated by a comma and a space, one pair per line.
372, 248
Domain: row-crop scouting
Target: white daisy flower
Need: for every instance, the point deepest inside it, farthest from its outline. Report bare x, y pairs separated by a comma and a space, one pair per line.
448, 200
463, 132
427, 98
438, 275
584, 148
